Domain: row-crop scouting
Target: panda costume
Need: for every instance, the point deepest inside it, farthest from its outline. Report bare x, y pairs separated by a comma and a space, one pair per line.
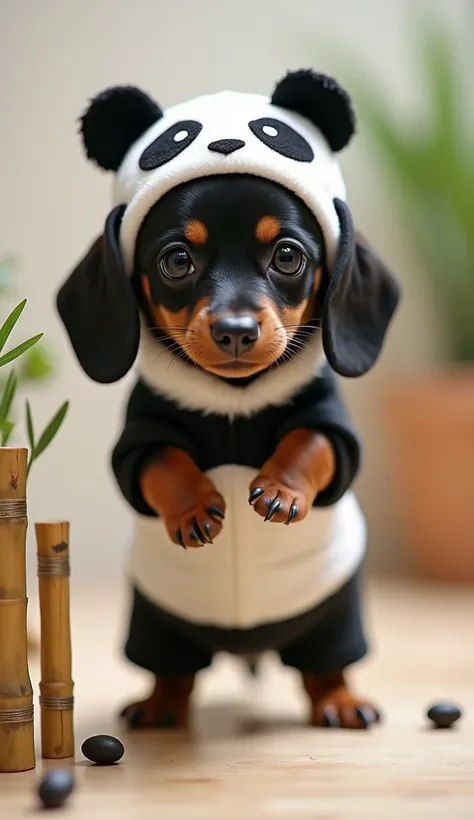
259, 586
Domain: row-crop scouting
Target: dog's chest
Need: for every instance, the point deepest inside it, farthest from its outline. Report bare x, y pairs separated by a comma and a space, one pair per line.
255, 572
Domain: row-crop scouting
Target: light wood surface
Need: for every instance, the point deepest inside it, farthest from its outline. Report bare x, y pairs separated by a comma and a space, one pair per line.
249, 754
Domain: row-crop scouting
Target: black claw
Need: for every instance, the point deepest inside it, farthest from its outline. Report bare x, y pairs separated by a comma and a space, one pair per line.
274, 507
292, 513
256, 493
194, 536
215, 512
377, 714
208, 531
365, 716
179, 538
331, 719
198, 530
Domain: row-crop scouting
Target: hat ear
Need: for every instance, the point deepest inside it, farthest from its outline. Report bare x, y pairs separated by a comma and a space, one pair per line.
321, 100
361, 299
114, 120
98, 308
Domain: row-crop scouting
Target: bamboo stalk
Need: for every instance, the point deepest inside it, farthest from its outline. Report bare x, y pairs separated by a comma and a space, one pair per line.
17, 744
56, 685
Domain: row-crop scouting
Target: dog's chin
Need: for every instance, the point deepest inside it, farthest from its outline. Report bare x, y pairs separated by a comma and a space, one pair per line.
245, 367
236, 369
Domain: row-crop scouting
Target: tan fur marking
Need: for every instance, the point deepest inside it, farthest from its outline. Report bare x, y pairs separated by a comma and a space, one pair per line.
196, 232
293, 316
176, 324
267, 229
174, 321
318, 275
146, 288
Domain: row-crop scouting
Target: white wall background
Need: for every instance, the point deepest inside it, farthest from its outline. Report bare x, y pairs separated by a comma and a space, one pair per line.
54, 56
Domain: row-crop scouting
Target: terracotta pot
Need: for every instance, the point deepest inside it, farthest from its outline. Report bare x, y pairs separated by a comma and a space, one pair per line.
430, 424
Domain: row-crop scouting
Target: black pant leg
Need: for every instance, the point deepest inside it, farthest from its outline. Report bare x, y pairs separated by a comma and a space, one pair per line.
157, 644
336, 638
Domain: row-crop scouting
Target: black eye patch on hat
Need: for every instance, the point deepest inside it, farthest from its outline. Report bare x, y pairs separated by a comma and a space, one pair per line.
281, 138
169, 144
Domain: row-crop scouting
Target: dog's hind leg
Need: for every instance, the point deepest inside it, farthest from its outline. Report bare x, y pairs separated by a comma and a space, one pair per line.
166, 708
333, 704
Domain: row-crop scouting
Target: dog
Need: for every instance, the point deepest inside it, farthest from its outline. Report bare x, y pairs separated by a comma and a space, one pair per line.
242, 289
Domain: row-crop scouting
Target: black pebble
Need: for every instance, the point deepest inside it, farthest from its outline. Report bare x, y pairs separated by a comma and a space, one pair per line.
103, 749
444, 715
55, 787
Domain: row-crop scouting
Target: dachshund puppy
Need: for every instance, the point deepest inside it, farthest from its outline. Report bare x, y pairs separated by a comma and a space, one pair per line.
230, 269
227, 274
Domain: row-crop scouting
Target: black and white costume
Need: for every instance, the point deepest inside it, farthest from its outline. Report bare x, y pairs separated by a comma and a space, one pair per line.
255, 573
260, 585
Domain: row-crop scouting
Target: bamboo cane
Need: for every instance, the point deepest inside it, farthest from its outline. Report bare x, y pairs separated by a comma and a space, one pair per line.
56, 685
17, 745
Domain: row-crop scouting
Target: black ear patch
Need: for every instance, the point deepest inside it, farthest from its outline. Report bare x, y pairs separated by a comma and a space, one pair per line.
361, 300
98, 309
321, 100
169, 144
114, 120
281, 138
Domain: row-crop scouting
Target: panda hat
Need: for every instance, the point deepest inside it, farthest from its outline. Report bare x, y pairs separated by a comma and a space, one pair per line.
291, 138
224, 133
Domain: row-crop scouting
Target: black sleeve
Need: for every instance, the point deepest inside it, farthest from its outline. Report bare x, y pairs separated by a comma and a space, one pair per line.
149, 426
321, 407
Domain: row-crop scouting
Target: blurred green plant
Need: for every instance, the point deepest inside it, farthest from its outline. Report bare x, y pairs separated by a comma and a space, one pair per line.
7, 396
432, 163
37, 363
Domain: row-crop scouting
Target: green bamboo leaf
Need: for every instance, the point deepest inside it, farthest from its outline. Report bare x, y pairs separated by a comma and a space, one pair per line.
7, 397
19, 350
10, 323
51, 429
30, 429
7, 430
37, 365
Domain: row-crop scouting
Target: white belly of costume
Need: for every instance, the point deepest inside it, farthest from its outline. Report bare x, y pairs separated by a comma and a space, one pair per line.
255, 572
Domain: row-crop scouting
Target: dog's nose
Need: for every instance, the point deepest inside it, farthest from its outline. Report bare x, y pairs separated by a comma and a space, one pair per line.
226, 146
235, 335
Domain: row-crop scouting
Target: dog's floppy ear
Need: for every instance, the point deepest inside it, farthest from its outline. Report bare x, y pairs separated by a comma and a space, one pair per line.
114, 120
98, 308
321, 100
361, 299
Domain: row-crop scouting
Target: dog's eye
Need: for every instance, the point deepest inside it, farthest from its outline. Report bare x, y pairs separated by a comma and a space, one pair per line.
287, 259
176, 264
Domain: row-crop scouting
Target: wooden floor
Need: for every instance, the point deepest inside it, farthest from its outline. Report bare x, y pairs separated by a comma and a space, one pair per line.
249, 754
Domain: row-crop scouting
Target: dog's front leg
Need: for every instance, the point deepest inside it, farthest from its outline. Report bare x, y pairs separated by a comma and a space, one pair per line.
193, 513
185, 498
302, 466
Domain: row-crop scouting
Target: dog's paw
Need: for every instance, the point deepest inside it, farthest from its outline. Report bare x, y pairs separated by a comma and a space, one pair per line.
200, 519
146, 714
276, 502
343, 710
167, 707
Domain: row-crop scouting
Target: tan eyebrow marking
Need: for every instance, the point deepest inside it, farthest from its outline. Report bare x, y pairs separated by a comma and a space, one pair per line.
267, 229
196, 232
